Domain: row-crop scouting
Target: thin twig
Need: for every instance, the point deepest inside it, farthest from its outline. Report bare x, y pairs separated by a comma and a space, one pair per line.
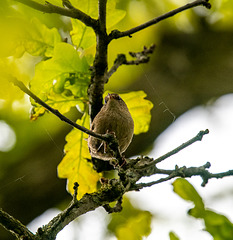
184, 173
207, 175
120, 60
147, 164
21, 85
198, 137
67, 3
69, 11
115, 34
139, 57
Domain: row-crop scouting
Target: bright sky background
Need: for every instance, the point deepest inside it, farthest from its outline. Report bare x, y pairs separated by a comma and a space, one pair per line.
169, 209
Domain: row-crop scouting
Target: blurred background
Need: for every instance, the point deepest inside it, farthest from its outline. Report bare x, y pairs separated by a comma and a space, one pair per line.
188, 79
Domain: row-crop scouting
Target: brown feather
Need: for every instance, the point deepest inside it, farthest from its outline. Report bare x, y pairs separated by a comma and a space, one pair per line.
114, 117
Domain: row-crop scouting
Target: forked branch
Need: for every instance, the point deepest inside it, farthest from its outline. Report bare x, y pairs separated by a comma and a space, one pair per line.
111, 190
108, 137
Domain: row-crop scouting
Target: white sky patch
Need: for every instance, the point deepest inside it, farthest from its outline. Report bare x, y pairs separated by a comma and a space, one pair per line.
7, 137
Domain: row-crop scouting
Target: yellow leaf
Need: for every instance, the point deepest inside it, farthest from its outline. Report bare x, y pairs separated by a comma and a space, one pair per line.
74, 166
8, 71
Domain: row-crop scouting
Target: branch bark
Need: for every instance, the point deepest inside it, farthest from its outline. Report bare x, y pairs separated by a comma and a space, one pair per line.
68, 12
100, 66
14, 226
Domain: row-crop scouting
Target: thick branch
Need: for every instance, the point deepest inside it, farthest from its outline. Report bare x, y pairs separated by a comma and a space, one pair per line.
114, 189
100, 65
69, 12
14, 226
118, 34
108, 193
102, 15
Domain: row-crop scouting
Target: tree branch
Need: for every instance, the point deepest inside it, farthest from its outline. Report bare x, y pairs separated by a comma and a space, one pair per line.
108, 193
198, 137
70, 11
177, 172
102, 15
113, 190
105, 137
115, 34
140, 57
108, 137
184, 173
14, 226
100, 65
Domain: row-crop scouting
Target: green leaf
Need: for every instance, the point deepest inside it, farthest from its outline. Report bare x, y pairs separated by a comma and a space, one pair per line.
31, 36
66, 60
218, 225
62, 102
186, 191
84, 37
173, 236
14, 32
8, 71
75, 166
114, 15
139, 108
130, 223
81, 35
40, 40
61, 81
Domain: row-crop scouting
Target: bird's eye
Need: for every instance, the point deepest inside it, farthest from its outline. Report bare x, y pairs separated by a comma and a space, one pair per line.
117, 97
106, 99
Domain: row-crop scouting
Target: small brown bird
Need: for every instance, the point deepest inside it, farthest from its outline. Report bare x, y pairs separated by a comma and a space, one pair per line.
114, 117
